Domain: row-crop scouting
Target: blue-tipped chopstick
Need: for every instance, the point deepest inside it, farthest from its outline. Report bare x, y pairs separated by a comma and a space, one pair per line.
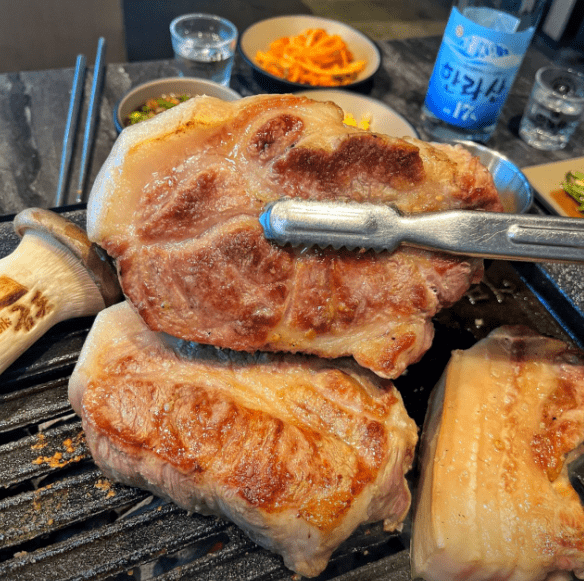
71, 128
92, 113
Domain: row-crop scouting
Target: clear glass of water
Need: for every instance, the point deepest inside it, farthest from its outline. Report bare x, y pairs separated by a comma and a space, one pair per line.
204, 45
554, 109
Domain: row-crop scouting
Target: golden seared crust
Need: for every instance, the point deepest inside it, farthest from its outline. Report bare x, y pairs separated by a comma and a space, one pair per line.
177, 204
269, 462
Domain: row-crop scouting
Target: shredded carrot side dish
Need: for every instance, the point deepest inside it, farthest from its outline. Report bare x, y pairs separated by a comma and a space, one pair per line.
314, 57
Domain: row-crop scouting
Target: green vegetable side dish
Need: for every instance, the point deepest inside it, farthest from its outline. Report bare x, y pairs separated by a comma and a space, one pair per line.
153, 107
574, 186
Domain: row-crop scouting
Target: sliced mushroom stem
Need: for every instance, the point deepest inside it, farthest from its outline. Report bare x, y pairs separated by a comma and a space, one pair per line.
53, 275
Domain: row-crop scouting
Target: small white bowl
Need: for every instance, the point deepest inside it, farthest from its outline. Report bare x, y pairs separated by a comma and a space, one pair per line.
177, 85
258, 36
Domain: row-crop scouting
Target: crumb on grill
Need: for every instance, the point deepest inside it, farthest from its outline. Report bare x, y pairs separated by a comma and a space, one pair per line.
41, 443
106, 486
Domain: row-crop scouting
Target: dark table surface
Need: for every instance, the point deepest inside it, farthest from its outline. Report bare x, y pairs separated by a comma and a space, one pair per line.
34, 106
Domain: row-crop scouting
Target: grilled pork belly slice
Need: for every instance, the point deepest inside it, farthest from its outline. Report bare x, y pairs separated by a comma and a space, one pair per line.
297, 451
495, 501
177, 205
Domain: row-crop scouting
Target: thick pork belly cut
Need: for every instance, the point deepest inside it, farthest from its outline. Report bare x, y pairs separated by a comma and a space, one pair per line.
177, 205
495, 500
295, 450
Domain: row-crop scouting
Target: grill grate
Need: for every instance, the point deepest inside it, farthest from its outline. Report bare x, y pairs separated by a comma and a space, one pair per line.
61, 520
32, 404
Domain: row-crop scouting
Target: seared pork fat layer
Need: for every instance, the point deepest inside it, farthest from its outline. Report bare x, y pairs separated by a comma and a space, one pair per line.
495, 501
295, 450
177, 204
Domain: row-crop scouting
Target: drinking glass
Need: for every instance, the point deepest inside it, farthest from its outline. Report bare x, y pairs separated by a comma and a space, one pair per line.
554, 108
204, 45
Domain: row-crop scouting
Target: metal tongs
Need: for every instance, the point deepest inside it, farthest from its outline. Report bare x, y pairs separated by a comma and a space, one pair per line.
381, 227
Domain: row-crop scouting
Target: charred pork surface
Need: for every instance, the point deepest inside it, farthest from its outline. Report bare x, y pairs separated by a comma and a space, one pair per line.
495, 501
177, 205
296, 450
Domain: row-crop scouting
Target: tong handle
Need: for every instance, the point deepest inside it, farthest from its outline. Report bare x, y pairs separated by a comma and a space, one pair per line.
501, 236
381, 227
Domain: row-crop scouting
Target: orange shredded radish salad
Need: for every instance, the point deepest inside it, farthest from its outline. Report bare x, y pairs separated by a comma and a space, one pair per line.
311, 58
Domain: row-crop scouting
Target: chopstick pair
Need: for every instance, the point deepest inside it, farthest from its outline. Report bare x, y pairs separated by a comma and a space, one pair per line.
73, 121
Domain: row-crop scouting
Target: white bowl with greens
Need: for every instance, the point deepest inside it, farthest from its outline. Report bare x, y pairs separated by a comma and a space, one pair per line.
153, 97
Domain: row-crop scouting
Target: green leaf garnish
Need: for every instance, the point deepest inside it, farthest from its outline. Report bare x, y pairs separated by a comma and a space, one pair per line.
152, 107
574, 186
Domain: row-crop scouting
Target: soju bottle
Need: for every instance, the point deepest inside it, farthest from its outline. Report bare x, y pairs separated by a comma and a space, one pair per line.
482, 49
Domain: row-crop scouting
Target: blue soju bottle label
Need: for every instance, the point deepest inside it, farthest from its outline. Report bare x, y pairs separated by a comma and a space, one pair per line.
475, 67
